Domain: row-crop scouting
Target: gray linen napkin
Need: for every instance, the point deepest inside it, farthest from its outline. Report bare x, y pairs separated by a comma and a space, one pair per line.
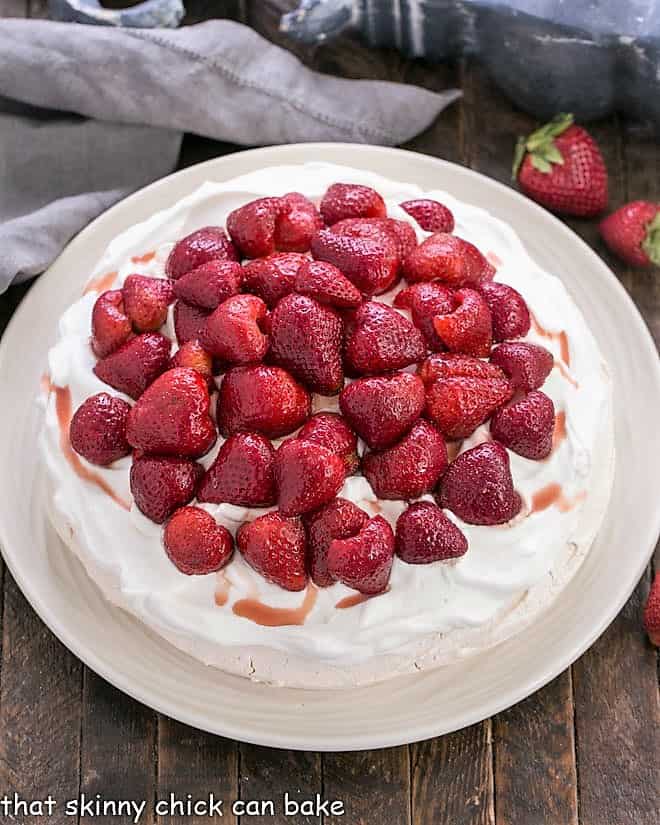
89, 114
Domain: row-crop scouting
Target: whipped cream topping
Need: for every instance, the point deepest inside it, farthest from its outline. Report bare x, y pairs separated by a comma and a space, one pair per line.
123, 550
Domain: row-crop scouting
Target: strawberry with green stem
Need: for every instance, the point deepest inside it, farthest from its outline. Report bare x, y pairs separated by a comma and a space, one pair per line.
560, 166
633, 233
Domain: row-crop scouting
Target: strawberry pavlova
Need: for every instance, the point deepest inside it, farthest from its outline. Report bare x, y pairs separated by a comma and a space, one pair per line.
321, 428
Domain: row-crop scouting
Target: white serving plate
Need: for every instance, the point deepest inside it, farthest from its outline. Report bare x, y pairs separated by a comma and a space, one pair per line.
408, 708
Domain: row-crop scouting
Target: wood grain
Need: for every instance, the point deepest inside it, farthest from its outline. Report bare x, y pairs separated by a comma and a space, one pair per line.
265, 774
452, 779
191, 762
374, 785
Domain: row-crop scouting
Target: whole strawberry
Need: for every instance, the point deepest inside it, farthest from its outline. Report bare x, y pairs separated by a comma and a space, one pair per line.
560, 166
98, 429
161, 484
275, 547
424, 534
196, 543
340, 519
633, 233
652, 612
307, 476
242, 473
364, 561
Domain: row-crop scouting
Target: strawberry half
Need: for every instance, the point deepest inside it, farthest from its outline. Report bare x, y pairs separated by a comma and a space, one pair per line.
137, 363
146, 301
306, 339
172, 416
633, 233
364, 561
161, 484
478, 486
307, 476
431, 215
98, 429
262, 399
209, 243
110, 325
195, 543
234, 331
410, 468
380, 339
275, 547
560, 166
340, 519
351, 200
424, 534
383, 408
242, 473
468, 328
210, 284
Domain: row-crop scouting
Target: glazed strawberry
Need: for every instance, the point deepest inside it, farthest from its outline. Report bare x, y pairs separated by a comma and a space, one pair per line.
161, 484
351, 200
454, 365
478, 486
193, 355
459, 405
381, 339
233, 332
261, 399
307, 476
560, 166
447, 258
469, 328
331, 431
371, 264
146, 301
526, 365
98, 429
509, 312
340, 519
652, 612
298, 221
383, 408
364, 561
110, 326
306, 339
273, 277
380, 229
275, 547
326, 284
172, 416
633, 233
410, 468
137, 363
526, 425
189, 321
252, 227
431, 215
210, 243
242, 473
428, 299
424, 534
210, 284
195, 543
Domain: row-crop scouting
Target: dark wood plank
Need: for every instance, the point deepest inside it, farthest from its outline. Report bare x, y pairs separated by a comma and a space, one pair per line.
193, 764
374, 785
266, 774
534, 757
452, 779
118, 740
40, 710
13, 8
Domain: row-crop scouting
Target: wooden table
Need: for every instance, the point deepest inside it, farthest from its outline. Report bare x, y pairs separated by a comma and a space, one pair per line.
585, 749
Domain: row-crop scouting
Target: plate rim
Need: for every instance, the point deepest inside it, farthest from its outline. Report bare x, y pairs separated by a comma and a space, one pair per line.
122, 680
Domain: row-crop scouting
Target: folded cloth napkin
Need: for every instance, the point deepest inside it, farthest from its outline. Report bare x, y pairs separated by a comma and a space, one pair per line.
89, 114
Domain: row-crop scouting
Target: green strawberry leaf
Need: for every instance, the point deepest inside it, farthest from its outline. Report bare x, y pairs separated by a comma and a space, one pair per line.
540, 163
541, 145
518, 157
651, 244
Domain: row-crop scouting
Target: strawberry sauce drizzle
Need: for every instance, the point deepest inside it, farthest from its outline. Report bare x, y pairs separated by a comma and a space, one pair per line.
559, 433
222, 588
267, 616
552, 494
101, 283
63, 407
143, 259
44, 384
564, 361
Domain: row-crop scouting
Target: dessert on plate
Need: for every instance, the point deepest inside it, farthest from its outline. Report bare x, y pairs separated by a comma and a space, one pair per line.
320, 428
